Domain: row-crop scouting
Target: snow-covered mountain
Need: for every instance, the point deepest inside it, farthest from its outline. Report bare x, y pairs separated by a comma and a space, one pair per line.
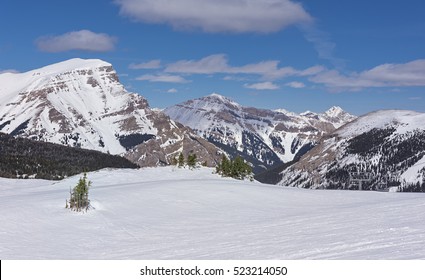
384, 148
265, 138
81, 103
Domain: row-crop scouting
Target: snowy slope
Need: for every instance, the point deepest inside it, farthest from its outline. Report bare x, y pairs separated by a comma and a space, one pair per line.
158, 213
82, 103
67, 102
388, 145
265, 138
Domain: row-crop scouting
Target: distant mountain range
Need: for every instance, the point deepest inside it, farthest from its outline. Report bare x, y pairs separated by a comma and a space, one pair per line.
81, 103
265, 138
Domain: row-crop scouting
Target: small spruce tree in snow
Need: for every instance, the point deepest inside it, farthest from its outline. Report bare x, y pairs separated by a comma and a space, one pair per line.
191, 161
223, 168
181, 160
79, 196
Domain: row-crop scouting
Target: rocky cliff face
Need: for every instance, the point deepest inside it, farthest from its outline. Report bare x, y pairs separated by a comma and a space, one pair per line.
385, 148
81, 103
265, 138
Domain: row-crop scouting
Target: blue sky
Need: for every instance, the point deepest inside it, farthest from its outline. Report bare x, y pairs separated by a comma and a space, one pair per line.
298, 55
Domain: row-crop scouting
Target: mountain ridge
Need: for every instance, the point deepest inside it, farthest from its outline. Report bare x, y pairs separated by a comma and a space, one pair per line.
386, 146
266, 138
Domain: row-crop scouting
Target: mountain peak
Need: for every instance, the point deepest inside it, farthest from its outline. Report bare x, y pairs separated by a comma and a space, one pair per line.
334, 111
72, 65
308, 114
216, 95
221, 98
215, 102
285, 112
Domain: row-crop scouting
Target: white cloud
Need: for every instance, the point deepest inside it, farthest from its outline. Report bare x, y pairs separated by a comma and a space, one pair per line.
234, 78
385, 75
236, 16
212, 64
172, 90
218, 64
84, 40
232, 16
163, 79
295, 85
262, 86
153, 64
314, 70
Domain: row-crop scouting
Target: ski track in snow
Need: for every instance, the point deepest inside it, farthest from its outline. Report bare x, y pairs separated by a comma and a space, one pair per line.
166, 213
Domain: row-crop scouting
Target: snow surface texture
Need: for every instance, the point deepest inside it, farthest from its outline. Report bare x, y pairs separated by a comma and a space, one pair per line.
166, 213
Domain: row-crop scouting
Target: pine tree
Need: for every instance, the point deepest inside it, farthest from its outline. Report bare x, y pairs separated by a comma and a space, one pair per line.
191, 161
181, 160
236, 168
223, 167
240, 169
79, 196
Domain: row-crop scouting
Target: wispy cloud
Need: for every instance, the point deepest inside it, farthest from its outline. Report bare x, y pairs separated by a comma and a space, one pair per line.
218, 64
84, 40
212, 64
153, 64
295, 85
268, 72
262, 86
163, 78
385, 75
322, 43
236, 16
172, 90
235, 78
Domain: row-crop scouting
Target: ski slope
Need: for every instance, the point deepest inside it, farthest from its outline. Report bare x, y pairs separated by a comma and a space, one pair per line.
166, 213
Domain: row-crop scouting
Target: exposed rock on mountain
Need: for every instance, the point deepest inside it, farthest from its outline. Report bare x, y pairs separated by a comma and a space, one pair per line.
382, 149
265, 138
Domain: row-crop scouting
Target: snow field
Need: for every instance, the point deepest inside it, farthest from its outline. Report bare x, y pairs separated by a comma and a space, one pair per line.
167, 213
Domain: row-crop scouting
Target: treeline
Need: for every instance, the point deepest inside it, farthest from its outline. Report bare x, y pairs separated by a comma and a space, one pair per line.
236, 168
418, 187
22, 158
191, 161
